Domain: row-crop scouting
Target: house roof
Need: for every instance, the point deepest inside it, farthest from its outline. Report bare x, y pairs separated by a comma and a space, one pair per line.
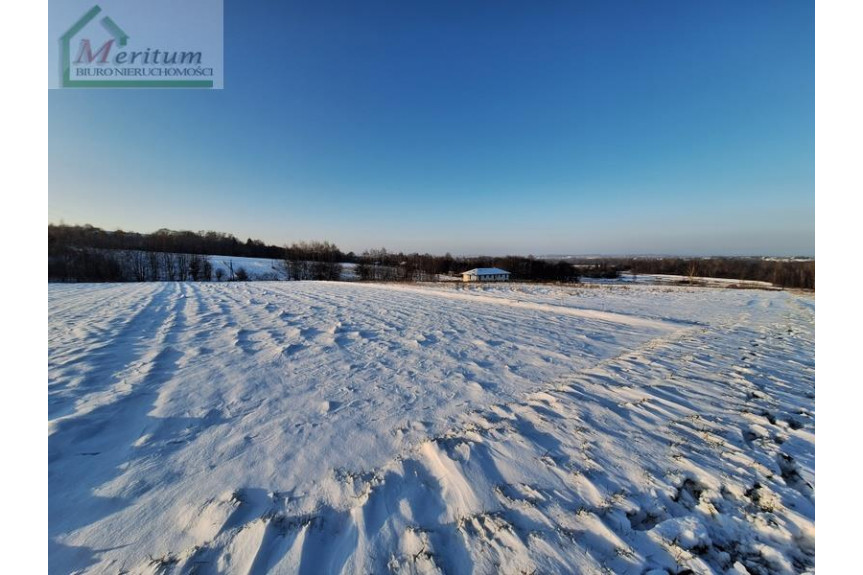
485, 271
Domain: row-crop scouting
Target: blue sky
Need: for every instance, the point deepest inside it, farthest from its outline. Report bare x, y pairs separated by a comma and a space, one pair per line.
471, 127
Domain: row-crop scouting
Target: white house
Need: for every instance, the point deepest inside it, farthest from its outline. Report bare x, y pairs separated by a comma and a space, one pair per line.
485, 275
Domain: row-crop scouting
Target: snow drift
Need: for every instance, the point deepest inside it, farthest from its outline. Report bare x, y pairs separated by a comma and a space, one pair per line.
332, 427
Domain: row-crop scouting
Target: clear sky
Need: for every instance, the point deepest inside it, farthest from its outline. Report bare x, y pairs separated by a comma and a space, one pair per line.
490, 127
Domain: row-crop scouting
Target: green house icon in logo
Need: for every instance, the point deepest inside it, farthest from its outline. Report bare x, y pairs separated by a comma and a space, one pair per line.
122, 39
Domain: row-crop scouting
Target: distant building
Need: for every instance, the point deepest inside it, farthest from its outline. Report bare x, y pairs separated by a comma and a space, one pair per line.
485, 275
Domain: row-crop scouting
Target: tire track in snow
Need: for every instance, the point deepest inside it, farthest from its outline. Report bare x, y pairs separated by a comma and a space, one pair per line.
95, 445
589, 314
109, 362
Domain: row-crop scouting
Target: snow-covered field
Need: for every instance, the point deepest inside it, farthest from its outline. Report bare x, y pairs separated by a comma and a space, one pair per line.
341, 427
666, 279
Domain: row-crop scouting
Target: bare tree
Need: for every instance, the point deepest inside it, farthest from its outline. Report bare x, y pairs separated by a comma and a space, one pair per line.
230, 265
692, 271
138, 262
155, 264
206, 269
182, 263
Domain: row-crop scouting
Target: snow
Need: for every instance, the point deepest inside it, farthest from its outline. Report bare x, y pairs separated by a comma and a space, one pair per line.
628, 277
319, 427
265, 269
257, 268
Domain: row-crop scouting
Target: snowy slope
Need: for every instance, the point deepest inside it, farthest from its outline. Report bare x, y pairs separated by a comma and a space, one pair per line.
265, 269
257, 268
331, 427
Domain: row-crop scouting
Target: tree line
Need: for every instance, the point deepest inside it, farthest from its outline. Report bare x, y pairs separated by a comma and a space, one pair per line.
319, 261
88, 253
104, 265
164, 240
789, 273
381, 265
